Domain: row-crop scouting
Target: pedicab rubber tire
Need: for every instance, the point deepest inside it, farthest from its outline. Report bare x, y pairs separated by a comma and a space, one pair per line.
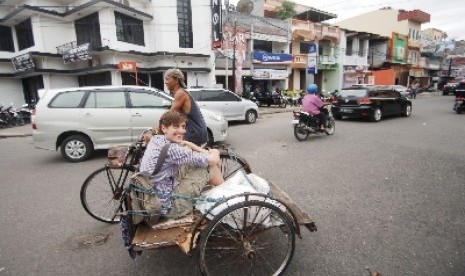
288, 222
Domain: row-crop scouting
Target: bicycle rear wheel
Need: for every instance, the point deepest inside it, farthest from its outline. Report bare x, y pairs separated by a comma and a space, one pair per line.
101, 193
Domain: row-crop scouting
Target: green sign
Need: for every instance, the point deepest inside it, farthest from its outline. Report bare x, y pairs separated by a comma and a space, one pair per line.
399, 48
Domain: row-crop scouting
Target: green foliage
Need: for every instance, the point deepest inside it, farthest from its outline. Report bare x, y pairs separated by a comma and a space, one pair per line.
287, 10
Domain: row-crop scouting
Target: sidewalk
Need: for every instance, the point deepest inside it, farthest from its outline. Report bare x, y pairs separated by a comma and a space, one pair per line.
19, 131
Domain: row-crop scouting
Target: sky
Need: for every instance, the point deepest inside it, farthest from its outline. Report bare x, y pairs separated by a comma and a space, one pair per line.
446, 15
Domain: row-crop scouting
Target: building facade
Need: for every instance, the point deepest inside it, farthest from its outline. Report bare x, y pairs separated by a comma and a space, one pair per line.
64, 43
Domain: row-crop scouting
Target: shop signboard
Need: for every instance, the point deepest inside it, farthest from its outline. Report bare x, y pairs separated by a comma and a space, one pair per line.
399, 48
269, 74
312, 56
234, 39
216, 23
23, 62
81, 52
270, 58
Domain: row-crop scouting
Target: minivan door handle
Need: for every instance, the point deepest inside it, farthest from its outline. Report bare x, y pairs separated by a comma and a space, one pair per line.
136, 115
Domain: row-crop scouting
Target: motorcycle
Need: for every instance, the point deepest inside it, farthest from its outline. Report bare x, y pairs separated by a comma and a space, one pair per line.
305, 124
268, 99
9, 117
26, 112
459, 105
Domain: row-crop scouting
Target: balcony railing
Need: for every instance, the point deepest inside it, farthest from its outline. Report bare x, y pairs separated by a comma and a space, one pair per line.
320, 31
324, 61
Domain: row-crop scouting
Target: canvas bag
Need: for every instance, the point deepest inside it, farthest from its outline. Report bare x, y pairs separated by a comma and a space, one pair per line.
145, 204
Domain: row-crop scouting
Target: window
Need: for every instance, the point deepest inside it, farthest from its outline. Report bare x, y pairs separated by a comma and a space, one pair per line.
67, 99
24, 34
196, 95
157, 81
147, 100
105, 99
95, 79
88, 31
129, 29
185, 24
6, 43
129, 78
349, 47
362, 48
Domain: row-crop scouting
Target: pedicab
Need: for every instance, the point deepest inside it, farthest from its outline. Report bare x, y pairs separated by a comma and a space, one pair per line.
251, 233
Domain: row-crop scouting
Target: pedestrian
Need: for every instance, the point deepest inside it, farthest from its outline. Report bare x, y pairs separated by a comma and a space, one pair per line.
413, 89
196, 128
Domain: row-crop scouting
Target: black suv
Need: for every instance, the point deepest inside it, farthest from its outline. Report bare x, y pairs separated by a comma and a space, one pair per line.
372, 102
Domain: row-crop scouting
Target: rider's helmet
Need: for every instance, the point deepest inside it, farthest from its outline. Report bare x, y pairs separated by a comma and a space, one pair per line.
312, 88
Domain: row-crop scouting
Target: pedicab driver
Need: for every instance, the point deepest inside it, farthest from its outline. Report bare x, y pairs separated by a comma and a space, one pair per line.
196, 129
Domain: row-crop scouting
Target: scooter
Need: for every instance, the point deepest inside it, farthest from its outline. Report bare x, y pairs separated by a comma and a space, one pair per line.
305, 124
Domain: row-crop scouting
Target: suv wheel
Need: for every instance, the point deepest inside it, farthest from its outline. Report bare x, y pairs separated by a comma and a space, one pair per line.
76, 148
376, 115
250, 117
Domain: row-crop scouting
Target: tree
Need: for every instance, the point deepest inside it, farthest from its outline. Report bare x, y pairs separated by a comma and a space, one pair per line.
287, 10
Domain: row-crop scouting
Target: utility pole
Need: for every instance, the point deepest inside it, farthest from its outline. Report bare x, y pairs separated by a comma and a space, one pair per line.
234, 55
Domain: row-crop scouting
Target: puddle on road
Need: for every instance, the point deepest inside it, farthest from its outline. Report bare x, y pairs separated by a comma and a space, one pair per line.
86, 241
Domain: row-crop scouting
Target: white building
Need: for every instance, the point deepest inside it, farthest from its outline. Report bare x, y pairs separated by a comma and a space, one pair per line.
44, 43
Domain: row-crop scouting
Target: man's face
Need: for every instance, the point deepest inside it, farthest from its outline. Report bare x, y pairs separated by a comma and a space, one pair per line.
175, 133
170, 82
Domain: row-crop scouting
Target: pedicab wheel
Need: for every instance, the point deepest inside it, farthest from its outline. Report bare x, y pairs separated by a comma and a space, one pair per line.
230, 164
101, 192
300, 132
263, 245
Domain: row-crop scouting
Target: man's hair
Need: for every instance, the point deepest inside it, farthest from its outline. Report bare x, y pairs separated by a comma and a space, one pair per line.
171, 118
176, 73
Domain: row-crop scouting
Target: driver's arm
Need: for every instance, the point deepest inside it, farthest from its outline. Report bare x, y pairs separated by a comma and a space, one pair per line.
178, 102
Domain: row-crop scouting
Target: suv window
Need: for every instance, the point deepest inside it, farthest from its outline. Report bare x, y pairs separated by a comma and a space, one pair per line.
353, 93
212, 96
197, 95
147, 100
70, 99
101, 99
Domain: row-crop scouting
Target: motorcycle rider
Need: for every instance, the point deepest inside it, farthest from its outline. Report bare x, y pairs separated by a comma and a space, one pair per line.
312, 104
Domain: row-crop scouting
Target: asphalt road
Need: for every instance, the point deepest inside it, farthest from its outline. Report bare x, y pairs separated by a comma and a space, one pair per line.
387, 195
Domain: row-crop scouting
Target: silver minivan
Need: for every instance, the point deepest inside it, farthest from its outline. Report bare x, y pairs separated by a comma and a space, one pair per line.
231, 105
80, 120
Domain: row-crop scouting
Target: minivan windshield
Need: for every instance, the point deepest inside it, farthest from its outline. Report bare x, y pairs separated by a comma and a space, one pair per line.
353, 93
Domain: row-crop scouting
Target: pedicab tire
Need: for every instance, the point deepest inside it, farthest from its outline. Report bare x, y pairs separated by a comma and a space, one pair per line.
216, 221
93, 180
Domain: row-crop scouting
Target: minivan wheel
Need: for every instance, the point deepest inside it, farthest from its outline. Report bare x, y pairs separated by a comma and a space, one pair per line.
250, 117
376, 115
76, 148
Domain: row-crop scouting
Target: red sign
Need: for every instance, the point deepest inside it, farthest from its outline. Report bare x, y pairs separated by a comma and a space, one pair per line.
127, 66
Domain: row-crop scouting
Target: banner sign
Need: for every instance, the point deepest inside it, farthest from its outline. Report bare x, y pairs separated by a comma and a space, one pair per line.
235, 36
269, 74
78, 53
216, 24
312, 56
23, 62
127, 66
264, 57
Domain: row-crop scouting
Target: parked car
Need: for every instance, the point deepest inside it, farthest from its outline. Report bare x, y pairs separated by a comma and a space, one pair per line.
404, 91
80, 120
232, 106
372, 102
